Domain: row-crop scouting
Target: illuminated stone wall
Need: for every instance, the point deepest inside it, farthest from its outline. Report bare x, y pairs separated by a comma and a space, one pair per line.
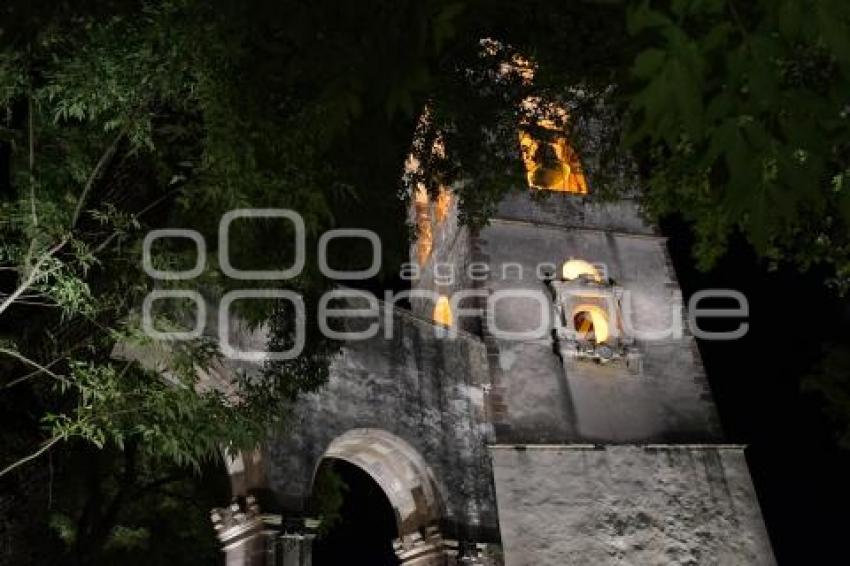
586, 402
446, 269
427, 391
587, 463
628, 505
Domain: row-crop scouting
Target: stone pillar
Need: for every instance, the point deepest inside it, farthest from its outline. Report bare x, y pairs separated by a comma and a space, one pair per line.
431, 549
418, 550
295, 542
248, 537
241, 530
479, 554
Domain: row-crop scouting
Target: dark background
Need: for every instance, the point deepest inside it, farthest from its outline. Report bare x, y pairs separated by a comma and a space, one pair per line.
800, 474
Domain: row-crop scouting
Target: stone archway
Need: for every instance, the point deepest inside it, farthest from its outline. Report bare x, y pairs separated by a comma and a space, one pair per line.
409, 485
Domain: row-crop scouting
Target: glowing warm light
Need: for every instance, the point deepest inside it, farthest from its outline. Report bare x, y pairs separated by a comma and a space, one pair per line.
591, 323
575, 268
444, 201
421, 195
424, 231
552, 165
443, 311
511, 63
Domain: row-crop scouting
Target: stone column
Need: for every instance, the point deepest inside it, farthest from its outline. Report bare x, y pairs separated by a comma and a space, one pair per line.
434, 550
295, 541
479, 554
240, 529
248, 537
417, 550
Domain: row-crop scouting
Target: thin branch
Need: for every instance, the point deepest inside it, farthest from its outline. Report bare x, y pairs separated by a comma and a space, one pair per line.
98, 169
33, 275
26, 296
50, 364
31, 170
124, 370
38, 304
31, 159
29, 362
135, 216
44, 448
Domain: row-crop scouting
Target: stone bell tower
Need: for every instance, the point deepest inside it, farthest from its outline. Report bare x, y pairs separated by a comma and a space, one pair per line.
540, 403
606, 447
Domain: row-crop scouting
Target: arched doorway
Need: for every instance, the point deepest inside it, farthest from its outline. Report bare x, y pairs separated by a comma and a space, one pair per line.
390, 498
365, 526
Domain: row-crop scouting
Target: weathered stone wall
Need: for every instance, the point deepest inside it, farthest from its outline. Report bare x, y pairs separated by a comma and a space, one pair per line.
446, 270
628, 505
585, 402
422, 388
561, 500
567, 210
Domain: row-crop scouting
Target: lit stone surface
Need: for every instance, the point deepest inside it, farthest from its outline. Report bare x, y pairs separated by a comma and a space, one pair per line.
417, 411
628, 505
398, 469
424, 390
549, 401
574, 212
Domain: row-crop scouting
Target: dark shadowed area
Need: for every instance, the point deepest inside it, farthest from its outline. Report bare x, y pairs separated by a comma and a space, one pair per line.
800, 474
366, 528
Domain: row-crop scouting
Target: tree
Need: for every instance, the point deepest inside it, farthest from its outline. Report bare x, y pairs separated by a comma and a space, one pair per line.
739, 115
829, 380
135, 115
734, 113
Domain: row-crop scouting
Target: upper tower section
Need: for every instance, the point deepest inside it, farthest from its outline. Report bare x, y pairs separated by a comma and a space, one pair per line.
577, 299
559, 191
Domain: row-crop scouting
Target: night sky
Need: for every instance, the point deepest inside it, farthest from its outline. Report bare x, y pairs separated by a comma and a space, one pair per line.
800, 475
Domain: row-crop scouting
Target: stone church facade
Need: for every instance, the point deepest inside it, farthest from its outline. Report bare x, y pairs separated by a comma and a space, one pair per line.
593, 442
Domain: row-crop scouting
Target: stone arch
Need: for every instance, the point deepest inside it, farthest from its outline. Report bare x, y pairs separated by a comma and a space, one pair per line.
574, 268
399, 470
591, 321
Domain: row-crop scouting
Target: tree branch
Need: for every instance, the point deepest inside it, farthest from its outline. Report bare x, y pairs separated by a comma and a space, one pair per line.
33, 275
136, 216
26, 360
98, 169
31, 158
65, 353
44, 448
